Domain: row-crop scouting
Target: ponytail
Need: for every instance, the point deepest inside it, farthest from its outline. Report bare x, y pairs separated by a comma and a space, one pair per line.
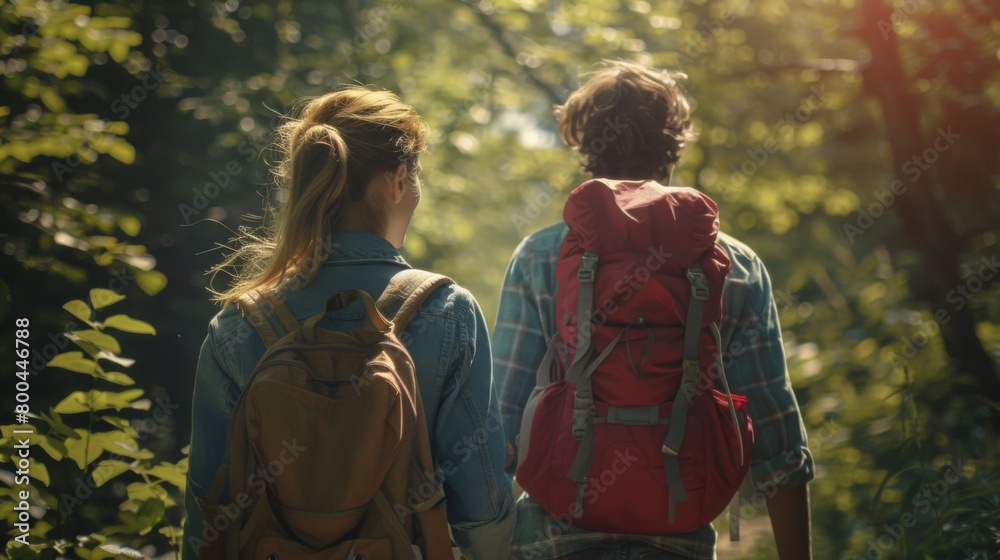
330, 154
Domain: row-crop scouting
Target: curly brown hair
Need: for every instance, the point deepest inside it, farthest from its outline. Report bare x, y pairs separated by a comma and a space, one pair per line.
628, 121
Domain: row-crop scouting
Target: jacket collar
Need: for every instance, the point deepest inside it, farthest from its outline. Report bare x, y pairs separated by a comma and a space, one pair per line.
351, 247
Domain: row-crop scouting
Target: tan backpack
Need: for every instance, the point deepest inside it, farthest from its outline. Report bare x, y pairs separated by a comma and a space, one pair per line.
328, 452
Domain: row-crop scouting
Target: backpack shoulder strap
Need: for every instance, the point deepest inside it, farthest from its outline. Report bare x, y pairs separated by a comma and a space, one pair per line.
267, 314
284, 316
405, 294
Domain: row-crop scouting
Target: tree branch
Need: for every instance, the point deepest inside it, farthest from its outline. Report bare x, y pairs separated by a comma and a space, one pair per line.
498, 33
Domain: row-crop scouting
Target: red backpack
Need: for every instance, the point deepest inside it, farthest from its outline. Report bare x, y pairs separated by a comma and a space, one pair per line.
625, 432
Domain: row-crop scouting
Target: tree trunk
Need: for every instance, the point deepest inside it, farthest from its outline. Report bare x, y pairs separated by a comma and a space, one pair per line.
923, 219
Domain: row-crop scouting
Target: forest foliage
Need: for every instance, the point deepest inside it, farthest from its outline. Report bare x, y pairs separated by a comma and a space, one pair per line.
851, 143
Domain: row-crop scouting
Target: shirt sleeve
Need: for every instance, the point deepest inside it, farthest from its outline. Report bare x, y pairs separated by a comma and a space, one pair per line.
469, 445
755, 366
519, 345
211, 410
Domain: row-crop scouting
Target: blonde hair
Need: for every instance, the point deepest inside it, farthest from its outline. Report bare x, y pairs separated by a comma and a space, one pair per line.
329, 154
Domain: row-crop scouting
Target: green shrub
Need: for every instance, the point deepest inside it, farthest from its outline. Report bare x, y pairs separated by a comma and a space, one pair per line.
96, 489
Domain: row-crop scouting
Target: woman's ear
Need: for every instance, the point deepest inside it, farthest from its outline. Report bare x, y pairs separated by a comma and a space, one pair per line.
397, 182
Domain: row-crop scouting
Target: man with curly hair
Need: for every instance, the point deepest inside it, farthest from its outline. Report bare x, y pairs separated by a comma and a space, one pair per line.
631, 122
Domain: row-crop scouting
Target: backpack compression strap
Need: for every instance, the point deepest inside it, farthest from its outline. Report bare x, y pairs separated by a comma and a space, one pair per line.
689, 382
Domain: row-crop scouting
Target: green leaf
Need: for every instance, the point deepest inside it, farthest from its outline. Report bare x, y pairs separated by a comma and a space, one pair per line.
107, 470
141, 491
101, 340
150, 513
73, 361
117, 378
128, 324
168, 472
122, 151
151, 281
128, 447
120, 551
17, 551
118, 51
54, 447
90, 446
56, 425
39, 472
79, 309
170, 532
130, 225
123, 443
87, 346
124, 362
101, 297
117, 421
85, 401
84, 450
52, 100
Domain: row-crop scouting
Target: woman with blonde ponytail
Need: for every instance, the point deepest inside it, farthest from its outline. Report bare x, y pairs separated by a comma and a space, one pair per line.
348, 186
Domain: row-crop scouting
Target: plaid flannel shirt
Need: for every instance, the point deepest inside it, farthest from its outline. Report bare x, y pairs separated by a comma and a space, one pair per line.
754, 361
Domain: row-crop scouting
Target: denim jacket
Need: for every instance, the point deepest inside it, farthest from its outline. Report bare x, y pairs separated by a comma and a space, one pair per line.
449, 343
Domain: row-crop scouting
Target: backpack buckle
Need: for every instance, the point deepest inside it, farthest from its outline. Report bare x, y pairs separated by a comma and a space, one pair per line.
588, 267
699, 284
583, 410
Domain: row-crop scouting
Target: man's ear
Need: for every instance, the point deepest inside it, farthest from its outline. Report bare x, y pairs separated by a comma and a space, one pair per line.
397, 182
